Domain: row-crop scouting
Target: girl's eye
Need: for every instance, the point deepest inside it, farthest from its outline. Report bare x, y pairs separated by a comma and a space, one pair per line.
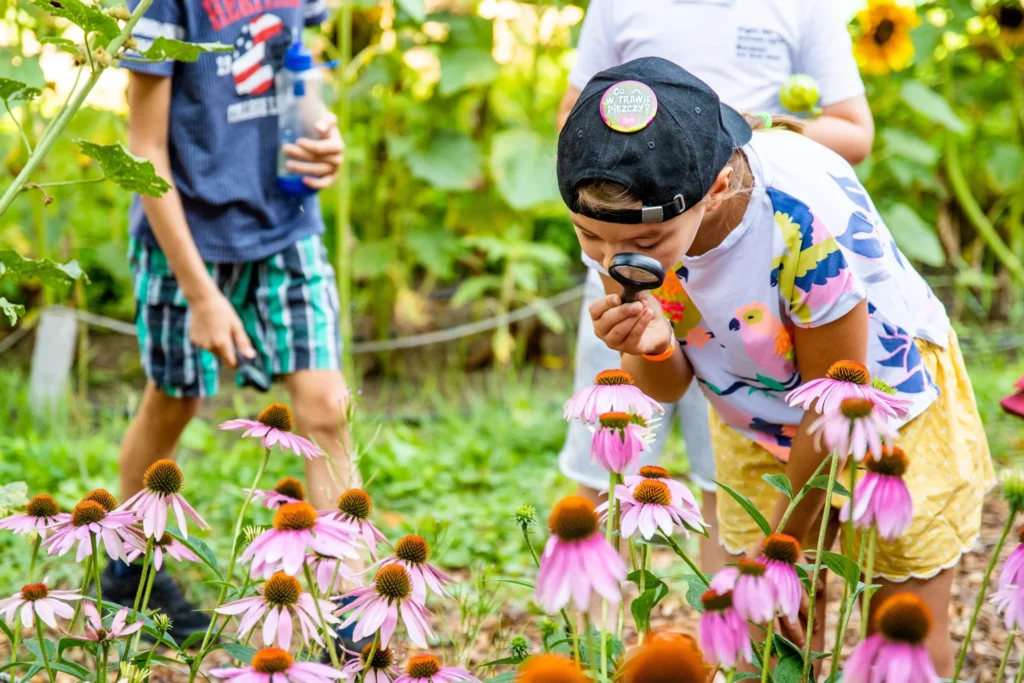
646, 247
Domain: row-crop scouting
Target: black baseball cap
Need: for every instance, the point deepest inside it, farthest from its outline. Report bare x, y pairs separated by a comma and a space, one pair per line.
653, 127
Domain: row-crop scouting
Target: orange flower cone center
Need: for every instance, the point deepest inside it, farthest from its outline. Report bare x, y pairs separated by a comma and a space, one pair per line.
892, 463
781, 548
42, 505
750, 567
713, 601
666, 658
355, 503
164, 477
382, 658
278, 416
614, 420
294, 517
904, 618
281, 590
613, 377
271, 660
412, 549
393, 582
291, 487
423, 666
103, 497
550, 669
654, 472
35, 591
854, 408
573, 519
849, 371
652, 492
87, 512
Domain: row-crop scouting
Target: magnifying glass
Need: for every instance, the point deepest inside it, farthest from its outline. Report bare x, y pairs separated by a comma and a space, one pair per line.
252, 375
636, 273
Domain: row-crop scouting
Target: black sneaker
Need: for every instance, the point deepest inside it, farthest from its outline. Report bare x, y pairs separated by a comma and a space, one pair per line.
345, 644
120, 583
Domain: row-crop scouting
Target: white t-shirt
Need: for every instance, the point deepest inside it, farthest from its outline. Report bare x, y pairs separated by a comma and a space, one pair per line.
744, 49
810, 247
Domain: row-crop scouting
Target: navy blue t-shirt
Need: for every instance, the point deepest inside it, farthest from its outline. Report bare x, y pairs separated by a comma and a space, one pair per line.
222, 136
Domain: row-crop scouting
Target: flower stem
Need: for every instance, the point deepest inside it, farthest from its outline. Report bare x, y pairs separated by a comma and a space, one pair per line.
608, 528
223, 625
800, 496
35, 556
632, 554
96, 574
1020, 672
845, 610
31, 575
981, 594
729, 676
369, 658
570, 631
85, 585
766, 658
686, 558
1006, 653
151, 577
42, 644
101, 674
142, 578
869, 570
328, 635
529, 545
231, 564
813, 592
849, 522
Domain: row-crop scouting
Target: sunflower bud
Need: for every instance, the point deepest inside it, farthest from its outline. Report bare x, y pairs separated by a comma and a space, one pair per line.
519, 647
526, 516
1013, 489
162, 622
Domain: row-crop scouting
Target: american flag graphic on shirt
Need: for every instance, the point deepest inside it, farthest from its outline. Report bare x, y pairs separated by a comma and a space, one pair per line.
253, 75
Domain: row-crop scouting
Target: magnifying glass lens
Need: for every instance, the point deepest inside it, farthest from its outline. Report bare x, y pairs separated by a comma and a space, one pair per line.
638, 275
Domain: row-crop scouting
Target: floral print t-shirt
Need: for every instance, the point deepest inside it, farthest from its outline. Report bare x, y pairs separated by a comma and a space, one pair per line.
810, 247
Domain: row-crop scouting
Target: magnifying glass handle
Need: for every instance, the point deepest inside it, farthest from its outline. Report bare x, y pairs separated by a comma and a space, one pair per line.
629, 295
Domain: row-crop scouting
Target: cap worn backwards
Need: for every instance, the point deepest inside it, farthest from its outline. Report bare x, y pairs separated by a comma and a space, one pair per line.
654, 128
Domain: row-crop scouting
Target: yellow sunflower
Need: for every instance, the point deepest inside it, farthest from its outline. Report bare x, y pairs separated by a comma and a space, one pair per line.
1009, 17
884, 44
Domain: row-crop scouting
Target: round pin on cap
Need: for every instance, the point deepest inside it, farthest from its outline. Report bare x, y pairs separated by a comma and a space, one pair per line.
628, 106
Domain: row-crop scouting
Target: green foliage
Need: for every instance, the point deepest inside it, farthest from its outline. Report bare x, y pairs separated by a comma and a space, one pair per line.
14, 265
132, 173
522, 163
915, 238
88, 17
12, 311
466, 68
180, 51
16, 91
12, 496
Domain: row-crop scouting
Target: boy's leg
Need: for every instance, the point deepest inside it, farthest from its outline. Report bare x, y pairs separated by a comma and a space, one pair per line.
935, 593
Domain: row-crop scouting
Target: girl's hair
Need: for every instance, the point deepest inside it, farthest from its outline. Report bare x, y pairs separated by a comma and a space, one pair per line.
605, 195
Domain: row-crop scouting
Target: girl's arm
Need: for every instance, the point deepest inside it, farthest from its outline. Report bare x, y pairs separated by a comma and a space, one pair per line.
637, 329
846, 128
816, 350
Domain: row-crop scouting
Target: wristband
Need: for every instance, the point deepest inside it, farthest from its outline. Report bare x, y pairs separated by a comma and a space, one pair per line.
767, 118
664, 355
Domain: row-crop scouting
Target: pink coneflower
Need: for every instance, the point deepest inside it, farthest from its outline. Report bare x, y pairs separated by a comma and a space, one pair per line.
722, 632
855, 428
381, 669
36, 599
427, 669
354, 508
1009, 601
612, 391
112, 530
168, 545
273, 665
274, 426
649, 507
160, 486
846, 379
681, 493
325, 568
753, 594
379, 606
288, 490
296, 529
780, 553
41, 513
618, 441
896, 653
577, 559
412, 552
882, 497
281, 599
1012, 572
94, 630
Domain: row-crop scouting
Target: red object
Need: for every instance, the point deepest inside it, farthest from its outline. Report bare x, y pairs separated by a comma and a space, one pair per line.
1014, 404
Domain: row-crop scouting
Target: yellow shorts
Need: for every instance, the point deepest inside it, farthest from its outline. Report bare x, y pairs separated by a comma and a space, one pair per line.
949, 474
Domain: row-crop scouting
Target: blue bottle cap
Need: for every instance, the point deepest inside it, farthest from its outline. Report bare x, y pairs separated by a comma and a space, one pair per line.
298, 58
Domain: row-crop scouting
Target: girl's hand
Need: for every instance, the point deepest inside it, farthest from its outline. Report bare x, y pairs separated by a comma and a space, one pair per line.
637, 328
318, 160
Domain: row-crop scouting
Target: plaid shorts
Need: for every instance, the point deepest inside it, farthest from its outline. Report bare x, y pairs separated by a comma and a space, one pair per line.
288, 304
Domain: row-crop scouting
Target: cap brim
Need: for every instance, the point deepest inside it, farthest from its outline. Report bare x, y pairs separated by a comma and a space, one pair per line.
736, 126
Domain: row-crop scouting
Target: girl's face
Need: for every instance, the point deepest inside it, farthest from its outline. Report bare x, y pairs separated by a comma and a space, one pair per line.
665, 242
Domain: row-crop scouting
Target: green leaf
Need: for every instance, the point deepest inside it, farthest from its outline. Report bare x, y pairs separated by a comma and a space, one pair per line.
14, 91
89, 18
694, 589
33, 645
642, 605
13, 495
76, 670
789, 670
499, 662
650, 580
748, 506
505, 677
12, 311
133, 173
180, 51
515, 582
13, 264
523, 166
373, 258
931, 105
842, 566
197, 546
193, 639
473, 288
925, 38
779, 481
69, 46
7, 632
909, 146
240, 652
416, 9
913, 236
551, 318
821, 482
1005, 166
450, 161
466, 68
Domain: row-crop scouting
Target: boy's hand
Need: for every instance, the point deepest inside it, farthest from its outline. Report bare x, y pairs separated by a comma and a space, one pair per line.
317, 160
635, 328
218, 329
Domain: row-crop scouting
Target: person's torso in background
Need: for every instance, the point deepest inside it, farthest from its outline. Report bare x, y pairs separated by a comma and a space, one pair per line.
223, 132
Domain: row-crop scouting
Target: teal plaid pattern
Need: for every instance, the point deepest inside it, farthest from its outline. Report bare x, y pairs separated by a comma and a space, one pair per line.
288, 304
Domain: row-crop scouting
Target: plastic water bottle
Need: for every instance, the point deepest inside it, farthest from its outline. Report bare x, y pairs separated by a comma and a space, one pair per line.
300, 105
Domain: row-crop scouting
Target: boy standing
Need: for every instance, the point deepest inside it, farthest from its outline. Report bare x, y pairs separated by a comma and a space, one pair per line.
224, 262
